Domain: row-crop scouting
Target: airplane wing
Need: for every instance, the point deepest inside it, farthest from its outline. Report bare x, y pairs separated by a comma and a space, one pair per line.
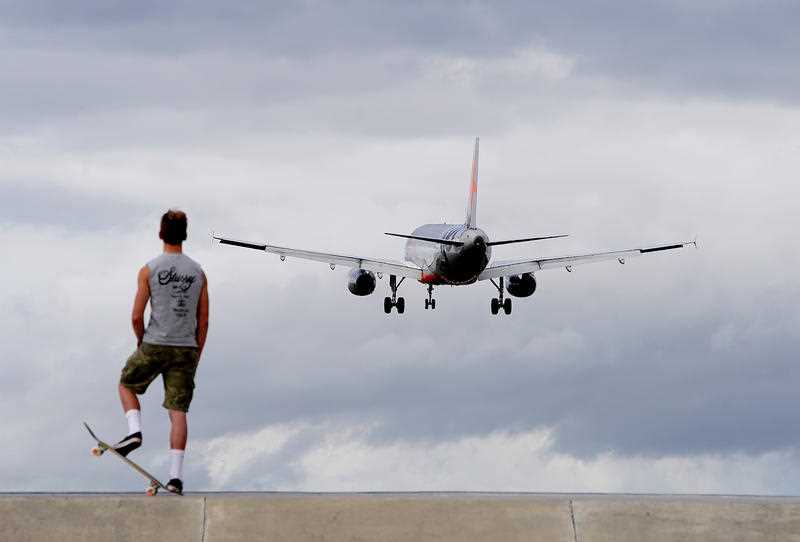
370, 264
517, 267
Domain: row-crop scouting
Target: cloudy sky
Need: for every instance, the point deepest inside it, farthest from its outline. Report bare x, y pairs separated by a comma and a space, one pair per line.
322, 125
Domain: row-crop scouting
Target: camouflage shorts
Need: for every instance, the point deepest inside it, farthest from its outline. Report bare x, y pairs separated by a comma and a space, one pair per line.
176, 365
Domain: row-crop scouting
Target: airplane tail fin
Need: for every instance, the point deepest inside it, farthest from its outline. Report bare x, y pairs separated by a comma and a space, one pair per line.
472, 202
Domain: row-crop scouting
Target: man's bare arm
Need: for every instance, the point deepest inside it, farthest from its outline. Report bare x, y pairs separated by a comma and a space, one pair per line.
202, 316
140, 302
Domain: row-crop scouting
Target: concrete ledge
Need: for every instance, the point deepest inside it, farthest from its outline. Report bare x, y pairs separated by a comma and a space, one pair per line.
710, 519
390, 518
68, 518
415, 517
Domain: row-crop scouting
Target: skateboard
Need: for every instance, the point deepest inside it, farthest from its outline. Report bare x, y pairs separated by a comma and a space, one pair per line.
103, 447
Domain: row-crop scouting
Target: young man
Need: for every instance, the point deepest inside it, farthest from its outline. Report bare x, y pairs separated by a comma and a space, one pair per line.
171, 344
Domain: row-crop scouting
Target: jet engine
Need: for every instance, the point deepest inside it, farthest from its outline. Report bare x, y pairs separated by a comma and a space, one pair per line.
521, 285
361, 282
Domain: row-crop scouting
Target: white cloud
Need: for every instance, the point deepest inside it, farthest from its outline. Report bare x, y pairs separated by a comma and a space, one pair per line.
344, 459
225, 456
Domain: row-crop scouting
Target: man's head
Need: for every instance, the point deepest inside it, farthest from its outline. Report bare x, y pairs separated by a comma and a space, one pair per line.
173, 227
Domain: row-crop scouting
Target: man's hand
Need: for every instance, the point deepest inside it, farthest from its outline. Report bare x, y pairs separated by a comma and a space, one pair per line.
140, 302
202, 317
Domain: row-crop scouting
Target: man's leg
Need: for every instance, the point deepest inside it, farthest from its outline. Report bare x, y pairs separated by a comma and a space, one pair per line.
129, 399
179, 431
177, 442
138, 373
178, 392
133, 413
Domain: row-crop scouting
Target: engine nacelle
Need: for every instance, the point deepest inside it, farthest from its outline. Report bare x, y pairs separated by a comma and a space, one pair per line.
521, 285
361, 282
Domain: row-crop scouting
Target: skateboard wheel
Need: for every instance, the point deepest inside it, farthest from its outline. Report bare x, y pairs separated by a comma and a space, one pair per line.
97, 451
151, 491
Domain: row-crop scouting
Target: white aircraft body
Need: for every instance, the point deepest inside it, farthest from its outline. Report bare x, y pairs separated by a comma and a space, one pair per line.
451, 254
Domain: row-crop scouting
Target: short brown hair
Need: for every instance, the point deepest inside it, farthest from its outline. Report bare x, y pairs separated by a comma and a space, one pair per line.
173, 227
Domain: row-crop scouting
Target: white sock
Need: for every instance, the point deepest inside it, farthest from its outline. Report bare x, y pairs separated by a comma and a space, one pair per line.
176, 464
134, 421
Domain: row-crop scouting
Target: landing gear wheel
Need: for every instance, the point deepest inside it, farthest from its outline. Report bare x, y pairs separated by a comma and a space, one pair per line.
97, 451
394, 301
430, 302
500, 302
151, 491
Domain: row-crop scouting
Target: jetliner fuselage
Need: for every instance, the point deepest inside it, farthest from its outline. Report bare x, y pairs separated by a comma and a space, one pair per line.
449, 264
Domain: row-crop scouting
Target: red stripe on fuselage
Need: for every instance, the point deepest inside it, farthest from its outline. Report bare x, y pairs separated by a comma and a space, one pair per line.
431, 278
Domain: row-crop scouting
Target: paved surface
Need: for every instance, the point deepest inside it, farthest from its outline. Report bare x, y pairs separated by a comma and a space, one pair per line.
415, 517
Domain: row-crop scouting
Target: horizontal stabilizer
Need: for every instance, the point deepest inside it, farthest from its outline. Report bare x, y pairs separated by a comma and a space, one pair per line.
495, 243
429, 239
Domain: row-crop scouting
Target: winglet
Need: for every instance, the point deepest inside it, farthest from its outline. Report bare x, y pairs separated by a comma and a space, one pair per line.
472, 201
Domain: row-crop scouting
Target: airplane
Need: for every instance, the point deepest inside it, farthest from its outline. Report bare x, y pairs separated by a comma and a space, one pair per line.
451, 254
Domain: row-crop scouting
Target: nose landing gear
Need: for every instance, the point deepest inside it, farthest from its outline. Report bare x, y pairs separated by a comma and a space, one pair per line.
430, 302
394, 301
499, 301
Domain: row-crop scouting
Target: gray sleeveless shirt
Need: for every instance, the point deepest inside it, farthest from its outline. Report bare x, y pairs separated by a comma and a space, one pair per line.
175, 284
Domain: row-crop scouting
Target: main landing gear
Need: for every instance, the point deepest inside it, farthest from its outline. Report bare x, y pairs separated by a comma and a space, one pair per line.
499, 302
430, 302
394, 301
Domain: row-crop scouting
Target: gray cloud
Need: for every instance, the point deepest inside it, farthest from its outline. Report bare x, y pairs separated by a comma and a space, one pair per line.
660, 389
49, 205
372, 68
732, 48
322, 126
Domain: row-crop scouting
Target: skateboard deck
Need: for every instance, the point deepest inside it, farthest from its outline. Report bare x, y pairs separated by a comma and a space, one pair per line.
103, 447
